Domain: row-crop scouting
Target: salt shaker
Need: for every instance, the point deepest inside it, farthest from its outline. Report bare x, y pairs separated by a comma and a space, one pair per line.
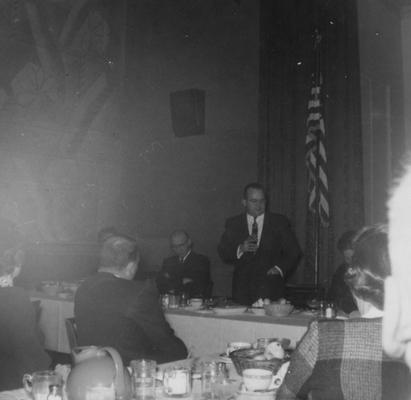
330, 311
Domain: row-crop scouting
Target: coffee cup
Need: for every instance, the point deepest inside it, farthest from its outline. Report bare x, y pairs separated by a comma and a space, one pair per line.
257, 379
196, 302
232, 346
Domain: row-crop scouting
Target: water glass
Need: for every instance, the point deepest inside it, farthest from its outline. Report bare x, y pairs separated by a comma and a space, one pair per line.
143, 378
177, 382
212, 375
183, 299
43, 385
223, 389
174, 301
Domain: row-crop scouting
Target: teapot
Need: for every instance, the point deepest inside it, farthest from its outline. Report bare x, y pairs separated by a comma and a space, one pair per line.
98, 373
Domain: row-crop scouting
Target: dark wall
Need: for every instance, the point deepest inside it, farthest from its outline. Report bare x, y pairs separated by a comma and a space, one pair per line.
80, 151
189, 182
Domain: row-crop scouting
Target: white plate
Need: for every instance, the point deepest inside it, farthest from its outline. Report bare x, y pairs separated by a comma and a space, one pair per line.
269, 393
192, 308
229, 310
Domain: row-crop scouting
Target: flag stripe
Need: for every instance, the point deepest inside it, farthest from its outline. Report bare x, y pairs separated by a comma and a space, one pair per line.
316, 158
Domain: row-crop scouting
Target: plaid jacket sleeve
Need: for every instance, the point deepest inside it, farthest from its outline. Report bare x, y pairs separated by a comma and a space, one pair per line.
302, 363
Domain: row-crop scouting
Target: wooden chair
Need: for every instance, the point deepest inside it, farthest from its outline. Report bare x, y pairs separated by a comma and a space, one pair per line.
71, 329
37, 312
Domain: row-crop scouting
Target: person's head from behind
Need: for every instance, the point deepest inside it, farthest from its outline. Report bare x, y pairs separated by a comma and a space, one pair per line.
370, 266
254, 200
397, 306
120, 256
180, 243
345, 245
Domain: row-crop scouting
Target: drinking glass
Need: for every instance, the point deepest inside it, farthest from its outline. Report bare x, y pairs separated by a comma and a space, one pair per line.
177, 382
174, 301
143, 378
213, 376
44, 385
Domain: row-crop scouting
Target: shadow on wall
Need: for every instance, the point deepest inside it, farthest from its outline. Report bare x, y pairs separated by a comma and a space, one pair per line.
152, 252
58, 262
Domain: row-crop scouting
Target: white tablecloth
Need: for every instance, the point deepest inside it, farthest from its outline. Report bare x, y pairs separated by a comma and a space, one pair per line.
207, 333
203, 333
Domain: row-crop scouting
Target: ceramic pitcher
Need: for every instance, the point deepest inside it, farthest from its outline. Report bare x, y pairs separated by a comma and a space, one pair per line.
98, 374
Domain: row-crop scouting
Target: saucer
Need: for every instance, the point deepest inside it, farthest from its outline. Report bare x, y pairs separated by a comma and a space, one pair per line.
193, 308
261, 394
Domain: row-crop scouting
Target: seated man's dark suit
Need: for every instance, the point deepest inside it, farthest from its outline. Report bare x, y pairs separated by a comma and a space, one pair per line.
195, 266
126, 315
278, 247
20, 348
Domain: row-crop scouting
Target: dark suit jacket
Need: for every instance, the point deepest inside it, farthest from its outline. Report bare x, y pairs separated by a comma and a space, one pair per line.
278, 246
126, 315
195, 266
20, 348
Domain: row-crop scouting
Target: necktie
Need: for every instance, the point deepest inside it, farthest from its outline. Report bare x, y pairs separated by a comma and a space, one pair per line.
254, 230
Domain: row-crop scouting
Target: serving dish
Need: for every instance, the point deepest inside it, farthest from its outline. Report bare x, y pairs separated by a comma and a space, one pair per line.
230, 310
278, 309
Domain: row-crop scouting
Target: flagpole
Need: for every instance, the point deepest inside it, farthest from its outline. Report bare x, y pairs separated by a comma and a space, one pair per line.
317, 225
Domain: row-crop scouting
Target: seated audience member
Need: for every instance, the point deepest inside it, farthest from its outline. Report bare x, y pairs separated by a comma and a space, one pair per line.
186, 271
344, 359
339, 292
397, 306
111, 309
20, 348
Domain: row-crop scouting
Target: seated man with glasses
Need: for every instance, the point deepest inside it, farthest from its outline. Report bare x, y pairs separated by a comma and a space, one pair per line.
186, 271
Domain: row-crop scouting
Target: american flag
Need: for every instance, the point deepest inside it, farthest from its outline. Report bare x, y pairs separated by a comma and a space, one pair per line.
316, 157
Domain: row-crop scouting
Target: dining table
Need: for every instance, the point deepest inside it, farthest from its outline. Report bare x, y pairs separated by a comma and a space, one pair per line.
204, 331
235, 390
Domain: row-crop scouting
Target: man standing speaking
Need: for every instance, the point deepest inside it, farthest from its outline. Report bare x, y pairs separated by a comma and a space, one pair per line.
261, 246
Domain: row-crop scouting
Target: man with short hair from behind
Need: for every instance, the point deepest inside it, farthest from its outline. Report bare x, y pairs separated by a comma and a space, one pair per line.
112, 309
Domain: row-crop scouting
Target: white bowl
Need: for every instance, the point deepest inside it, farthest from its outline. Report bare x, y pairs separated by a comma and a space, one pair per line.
278, 310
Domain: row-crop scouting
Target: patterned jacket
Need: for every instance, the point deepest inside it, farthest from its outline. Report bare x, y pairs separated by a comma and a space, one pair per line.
344, 360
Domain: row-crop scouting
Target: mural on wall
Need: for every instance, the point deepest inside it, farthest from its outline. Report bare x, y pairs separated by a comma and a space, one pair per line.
60, 82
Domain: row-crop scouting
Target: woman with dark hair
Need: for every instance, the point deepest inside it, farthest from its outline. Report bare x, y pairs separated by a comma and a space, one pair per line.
339, 292
344, 359
20, 348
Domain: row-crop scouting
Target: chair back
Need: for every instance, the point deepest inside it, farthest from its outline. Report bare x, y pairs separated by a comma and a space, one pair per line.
71, 329
37, 313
